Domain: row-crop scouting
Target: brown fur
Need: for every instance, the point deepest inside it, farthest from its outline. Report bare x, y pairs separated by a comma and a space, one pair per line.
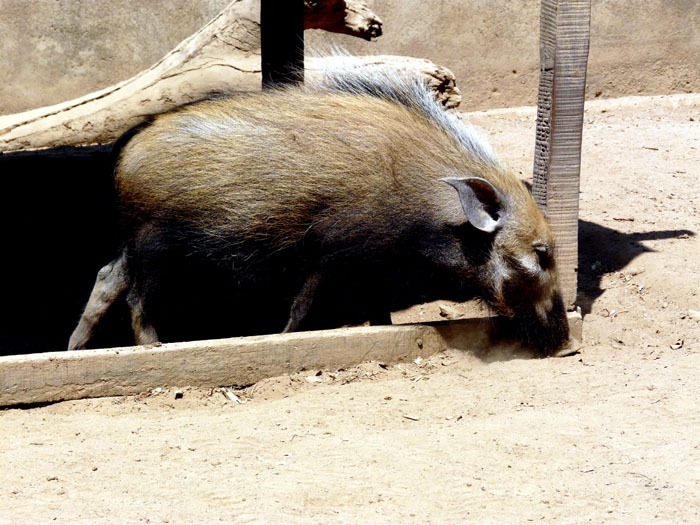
289, 158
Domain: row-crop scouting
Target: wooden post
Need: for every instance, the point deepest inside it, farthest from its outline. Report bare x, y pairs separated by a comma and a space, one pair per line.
282, 41
564, 39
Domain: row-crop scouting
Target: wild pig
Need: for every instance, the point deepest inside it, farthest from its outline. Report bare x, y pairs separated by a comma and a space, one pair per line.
334, 202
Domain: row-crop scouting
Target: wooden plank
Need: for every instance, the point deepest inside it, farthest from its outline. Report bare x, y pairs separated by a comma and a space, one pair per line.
58, 376
241, 361
564, 42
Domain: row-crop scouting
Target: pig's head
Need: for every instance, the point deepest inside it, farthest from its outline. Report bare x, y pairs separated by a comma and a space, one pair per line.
517, 272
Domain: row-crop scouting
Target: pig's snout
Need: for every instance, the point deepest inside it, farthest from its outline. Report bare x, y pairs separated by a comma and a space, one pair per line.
544, 329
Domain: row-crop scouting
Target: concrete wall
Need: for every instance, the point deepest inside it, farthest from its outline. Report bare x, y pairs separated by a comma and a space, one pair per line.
648, 47
53, 50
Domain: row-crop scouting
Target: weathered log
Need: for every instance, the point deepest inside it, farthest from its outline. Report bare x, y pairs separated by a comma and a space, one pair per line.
224, 56
440, 79
349, 17
224, 52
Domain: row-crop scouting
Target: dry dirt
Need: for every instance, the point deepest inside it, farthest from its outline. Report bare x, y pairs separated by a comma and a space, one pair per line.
609, 435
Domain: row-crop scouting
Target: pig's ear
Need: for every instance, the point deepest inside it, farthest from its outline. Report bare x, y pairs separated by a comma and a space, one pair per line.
481, 202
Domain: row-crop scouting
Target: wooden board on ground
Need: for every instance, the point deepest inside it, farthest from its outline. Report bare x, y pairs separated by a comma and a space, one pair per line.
240, 361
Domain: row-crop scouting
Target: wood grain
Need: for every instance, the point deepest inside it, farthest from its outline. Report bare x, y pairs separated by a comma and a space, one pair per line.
564, 42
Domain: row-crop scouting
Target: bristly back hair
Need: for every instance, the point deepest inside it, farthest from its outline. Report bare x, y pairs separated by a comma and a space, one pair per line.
408, 88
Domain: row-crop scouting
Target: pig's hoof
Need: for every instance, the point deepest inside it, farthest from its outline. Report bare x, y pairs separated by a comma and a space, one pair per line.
573, 347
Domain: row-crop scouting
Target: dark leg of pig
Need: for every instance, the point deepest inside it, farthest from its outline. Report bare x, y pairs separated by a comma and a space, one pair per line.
146, 256
302, 302
144, 333
112, 281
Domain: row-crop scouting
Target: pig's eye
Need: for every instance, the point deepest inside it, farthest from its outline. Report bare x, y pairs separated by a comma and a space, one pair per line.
544, 253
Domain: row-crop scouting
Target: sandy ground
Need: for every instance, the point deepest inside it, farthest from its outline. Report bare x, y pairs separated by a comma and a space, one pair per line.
611, 435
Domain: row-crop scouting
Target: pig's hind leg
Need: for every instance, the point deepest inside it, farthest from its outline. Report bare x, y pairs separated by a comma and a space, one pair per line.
302, 302
111, 283
144, 332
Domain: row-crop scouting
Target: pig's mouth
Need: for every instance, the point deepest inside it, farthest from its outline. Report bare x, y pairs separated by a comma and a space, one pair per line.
543, 330
548, 334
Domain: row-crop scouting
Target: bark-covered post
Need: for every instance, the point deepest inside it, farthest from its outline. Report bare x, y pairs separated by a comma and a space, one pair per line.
282, 41
564, 40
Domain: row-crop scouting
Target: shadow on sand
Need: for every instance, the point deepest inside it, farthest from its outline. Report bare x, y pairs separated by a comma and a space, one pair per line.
604, 250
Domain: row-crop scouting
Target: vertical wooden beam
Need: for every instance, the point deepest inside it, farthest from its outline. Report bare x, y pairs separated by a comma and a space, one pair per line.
564, 40
282, 41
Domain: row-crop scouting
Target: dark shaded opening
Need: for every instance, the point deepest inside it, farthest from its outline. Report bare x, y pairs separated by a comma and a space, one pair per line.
58, 227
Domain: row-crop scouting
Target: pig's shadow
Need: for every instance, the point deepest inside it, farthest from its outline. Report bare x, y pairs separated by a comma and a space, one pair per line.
603, 250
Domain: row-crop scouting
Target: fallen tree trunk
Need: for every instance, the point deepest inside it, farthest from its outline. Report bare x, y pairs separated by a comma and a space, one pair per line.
349, 17
223, 56
440, 79
224, 52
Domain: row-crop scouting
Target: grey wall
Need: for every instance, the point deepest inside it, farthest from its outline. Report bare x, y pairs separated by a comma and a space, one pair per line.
54, 50
637, 47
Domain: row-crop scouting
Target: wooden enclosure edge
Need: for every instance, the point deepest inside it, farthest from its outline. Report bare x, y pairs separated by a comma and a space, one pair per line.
240, 361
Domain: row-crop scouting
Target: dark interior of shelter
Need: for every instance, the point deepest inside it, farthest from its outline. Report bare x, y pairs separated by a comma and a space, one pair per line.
60, 225
58, 229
